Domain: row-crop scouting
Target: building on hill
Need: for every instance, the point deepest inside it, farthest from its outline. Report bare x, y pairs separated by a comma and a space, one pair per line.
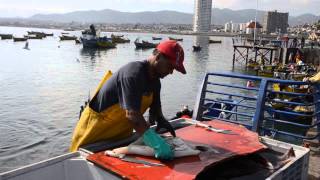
275, 22
228, 26
251, 26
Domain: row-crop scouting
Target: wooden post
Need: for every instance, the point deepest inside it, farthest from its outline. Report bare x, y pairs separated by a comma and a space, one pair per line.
247, 56
271, 54
234, 55
255, 54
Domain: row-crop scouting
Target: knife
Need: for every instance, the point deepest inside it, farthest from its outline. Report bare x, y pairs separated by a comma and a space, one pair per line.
140, 161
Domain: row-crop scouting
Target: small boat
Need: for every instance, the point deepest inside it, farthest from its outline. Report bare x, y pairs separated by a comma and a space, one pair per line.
106, 44
196, 48
156, 38
6, 36
119, 39
175, 39
33, 37
39, 34
65, 38
69, 29
90, 39
48, 34
33, 32
117, 36
144, 44
64, 33
98, 42
214, 41
18, 39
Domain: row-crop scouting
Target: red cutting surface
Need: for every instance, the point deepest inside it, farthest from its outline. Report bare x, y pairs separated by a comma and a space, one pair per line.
244, 142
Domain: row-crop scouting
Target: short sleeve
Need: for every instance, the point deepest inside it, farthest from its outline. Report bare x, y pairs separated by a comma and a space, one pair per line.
130, 92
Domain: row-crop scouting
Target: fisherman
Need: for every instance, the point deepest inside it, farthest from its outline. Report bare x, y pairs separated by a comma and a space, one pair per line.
93, 30
122, 98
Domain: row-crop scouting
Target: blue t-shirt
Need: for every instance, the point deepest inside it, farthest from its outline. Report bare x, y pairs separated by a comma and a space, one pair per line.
126, 87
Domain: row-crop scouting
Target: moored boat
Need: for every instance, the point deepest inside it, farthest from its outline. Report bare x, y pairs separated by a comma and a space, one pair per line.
90, 39
144, 44
196, 48
214, 41
176, 39
156, 38
66, 38
119, 39
33, 36
6, 36
17, 39
40, 34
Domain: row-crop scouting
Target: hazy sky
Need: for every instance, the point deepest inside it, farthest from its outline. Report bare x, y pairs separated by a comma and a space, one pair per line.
26, 8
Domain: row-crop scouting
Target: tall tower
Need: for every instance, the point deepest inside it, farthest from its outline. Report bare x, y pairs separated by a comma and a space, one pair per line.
202, 16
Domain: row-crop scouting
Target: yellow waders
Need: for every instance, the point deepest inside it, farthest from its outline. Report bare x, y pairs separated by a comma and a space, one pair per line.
110, 124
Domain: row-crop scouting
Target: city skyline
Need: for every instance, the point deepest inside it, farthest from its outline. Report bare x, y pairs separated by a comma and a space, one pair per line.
15, 8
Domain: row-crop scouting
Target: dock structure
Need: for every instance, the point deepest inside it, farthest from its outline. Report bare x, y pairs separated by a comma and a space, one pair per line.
262, 54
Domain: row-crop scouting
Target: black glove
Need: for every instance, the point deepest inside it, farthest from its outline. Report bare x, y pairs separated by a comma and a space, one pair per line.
163, 123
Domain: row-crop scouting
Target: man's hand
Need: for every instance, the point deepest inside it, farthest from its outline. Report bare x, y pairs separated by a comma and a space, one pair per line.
163, 123
137, 121
162, 149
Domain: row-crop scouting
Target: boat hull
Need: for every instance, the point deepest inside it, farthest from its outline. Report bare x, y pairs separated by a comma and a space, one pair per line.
103, 43
144, 45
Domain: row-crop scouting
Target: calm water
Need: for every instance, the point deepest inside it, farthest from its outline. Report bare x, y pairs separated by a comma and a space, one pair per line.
43, 88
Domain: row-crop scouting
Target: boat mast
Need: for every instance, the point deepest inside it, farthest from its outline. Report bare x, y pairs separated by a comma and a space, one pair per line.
255, 26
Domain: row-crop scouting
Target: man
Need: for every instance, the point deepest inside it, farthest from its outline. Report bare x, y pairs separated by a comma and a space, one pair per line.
121, 99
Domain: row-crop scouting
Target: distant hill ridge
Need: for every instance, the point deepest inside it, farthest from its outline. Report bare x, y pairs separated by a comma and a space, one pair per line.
219, 17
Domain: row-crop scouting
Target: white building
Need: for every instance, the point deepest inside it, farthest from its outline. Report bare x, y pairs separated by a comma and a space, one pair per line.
235, 27
202, 16
243, 27
228, 26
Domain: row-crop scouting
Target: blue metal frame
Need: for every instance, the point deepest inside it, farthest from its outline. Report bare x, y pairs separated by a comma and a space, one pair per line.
251, 105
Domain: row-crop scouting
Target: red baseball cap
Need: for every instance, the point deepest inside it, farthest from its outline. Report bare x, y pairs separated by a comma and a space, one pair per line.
174, 52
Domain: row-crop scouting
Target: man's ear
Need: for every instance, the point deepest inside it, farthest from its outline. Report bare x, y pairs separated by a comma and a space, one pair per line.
157, 56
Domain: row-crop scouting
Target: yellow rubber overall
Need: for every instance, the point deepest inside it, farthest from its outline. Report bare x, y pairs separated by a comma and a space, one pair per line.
110, 124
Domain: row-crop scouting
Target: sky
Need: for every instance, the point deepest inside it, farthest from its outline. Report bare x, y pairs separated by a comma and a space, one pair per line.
23, 8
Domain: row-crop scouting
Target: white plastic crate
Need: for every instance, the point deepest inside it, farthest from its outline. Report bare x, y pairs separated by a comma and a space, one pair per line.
297, 169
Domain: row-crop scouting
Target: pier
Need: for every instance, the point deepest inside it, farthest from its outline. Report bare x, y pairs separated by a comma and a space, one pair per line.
263, 55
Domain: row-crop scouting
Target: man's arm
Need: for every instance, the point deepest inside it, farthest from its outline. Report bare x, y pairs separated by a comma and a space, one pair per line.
157, 115
155, 112
137, 121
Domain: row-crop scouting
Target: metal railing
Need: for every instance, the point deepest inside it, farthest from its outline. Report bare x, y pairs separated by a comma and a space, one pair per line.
274, 107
